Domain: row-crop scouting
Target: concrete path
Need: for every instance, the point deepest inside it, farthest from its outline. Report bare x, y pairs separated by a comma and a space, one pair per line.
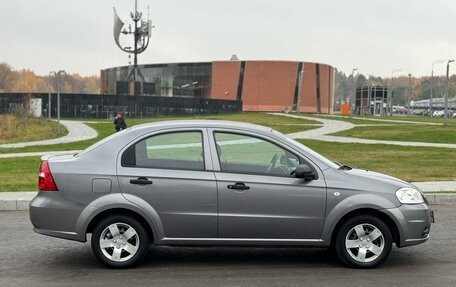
334, 126
77, 131
38, 153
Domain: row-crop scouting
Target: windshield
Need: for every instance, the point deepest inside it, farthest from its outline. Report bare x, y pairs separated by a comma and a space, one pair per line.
313, 153
99, 143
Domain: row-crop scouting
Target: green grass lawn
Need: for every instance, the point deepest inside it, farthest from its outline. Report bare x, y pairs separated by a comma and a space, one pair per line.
415, 133
105, 128
407, 163
19, 174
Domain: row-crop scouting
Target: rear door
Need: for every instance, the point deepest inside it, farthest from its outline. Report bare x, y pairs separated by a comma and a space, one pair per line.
171, 171
257, 195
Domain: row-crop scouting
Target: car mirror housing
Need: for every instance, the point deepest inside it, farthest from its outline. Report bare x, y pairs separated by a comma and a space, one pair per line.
305, 172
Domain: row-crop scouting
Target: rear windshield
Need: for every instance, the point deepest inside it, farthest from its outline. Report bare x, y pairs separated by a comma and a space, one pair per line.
101, 142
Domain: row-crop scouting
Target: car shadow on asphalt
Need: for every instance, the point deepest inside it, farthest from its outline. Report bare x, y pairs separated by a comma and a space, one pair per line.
223, 256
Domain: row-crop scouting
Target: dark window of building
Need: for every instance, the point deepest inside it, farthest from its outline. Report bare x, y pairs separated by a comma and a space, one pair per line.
122, 88
317, 71
297, 87
240, 81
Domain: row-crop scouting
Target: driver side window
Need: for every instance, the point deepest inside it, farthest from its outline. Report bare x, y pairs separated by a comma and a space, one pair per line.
246, 154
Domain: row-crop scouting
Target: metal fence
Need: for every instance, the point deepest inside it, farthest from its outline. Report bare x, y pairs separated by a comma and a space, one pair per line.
104, 106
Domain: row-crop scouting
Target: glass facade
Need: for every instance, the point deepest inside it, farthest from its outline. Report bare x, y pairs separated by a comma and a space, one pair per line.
165, 80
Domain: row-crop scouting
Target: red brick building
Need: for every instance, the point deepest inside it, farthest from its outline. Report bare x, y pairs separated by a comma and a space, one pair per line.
260, 85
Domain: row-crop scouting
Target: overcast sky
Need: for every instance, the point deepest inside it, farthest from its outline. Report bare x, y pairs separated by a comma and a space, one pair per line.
375, 36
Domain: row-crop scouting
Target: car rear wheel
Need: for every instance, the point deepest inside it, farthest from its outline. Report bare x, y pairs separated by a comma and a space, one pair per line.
363, 241
120, 241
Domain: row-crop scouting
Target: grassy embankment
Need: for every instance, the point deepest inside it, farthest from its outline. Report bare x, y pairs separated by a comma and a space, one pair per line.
14, 129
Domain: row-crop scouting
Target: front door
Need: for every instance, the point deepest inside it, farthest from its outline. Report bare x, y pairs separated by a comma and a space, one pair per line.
258, 197
169, 171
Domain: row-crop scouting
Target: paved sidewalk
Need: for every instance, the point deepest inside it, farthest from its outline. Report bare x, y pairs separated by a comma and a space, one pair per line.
386, 120
77, 131
333, 126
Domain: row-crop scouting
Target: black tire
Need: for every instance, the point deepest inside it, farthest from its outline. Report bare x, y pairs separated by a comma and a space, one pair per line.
348, 230
140, 241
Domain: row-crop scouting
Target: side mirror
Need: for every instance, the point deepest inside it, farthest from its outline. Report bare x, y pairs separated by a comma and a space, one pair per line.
305, 172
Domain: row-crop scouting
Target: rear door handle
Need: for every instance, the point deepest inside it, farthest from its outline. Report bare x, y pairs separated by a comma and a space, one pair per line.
141, 181
238, 186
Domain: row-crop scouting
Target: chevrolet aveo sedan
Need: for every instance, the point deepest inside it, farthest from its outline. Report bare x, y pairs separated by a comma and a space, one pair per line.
222, 183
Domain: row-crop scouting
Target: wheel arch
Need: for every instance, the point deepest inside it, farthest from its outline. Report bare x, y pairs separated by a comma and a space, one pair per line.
121, 211
367, 211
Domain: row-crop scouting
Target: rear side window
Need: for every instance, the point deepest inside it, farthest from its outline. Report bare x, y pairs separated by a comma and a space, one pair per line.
177, 150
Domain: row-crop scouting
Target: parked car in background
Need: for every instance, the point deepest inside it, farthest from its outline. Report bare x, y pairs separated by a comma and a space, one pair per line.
441, 114
399, 110
206, 183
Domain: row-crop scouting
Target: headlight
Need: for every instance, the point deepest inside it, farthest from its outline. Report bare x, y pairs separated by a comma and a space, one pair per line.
409, 195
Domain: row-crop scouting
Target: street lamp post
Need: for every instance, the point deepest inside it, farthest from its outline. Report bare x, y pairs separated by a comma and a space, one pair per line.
409, 94
432, 84
353, 103
446, 92
58, 75
392, 89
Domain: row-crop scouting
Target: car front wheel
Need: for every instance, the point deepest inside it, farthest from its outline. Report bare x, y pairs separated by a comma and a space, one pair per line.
363, 241
120, 241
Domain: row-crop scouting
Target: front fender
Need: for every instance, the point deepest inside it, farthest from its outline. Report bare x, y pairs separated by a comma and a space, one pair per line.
337, 209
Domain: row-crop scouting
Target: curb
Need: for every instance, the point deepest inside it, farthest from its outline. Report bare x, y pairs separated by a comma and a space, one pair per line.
16, 201
20, 201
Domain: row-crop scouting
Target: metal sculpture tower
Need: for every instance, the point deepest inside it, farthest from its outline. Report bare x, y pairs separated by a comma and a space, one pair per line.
141, 32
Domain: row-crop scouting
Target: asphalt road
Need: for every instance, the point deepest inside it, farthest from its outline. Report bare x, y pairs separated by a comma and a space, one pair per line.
29, 259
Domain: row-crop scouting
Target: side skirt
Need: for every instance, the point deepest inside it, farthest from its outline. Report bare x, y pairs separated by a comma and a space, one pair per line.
242, 241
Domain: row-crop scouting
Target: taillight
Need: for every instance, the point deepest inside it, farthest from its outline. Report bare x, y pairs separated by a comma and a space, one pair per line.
45, 179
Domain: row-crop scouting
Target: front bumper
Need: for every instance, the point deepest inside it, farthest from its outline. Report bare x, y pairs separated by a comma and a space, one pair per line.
413, 222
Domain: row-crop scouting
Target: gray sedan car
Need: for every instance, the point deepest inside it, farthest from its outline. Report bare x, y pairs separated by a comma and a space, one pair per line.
222, 183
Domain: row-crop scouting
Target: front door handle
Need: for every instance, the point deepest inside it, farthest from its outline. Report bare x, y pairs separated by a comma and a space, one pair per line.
238, 186
141, 181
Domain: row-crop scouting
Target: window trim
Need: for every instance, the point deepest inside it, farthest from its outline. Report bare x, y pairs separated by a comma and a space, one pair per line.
300, 158
158, 133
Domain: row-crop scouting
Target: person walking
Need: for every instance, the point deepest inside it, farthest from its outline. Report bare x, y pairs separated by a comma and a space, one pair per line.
119, 122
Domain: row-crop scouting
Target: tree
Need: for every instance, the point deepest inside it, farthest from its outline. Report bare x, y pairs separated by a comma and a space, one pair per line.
6, 77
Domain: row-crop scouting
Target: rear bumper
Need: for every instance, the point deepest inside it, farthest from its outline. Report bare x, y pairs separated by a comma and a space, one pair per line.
413, 222
55, 216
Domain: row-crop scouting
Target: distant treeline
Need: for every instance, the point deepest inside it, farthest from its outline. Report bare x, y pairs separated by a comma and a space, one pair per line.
26, 81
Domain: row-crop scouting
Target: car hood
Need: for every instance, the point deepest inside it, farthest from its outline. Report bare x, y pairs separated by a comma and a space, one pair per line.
380, 177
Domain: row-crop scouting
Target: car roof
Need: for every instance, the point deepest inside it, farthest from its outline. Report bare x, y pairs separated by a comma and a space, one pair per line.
202, 124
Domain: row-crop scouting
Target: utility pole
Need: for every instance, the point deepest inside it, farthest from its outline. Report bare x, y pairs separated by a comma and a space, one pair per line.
392, 90
58, 75
409, 94
446, 92
432, 84
353, 103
